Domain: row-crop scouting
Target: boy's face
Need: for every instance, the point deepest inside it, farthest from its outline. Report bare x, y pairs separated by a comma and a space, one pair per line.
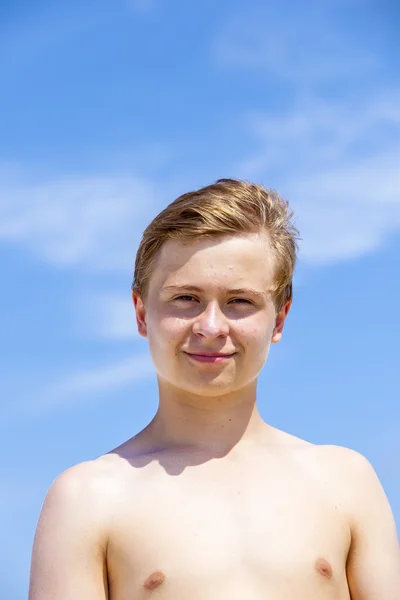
211, 297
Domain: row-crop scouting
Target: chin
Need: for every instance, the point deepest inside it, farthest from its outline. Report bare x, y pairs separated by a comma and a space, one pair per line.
210, 389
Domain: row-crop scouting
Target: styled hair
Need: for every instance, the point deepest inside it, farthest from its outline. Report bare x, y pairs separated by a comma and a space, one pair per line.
225, 208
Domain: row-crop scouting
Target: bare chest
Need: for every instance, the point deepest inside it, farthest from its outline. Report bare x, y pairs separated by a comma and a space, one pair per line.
203, 538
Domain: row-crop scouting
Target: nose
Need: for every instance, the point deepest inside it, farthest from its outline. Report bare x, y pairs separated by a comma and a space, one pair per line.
211, 323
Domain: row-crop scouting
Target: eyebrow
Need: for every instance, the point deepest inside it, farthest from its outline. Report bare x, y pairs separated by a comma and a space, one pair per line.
234, 291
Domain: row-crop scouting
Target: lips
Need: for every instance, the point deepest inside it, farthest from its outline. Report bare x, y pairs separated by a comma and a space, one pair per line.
210, 357
211, 353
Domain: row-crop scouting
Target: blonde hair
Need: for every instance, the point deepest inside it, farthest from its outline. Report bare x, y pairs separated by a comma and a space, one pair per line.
226, 208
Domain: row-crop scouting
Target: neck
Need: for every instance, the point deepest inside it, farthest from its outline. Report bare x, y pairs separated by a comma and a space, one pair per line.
214, 425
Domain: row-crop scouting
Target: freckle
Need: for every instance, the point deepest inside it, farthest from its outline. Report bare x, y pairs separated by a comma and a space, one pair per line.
324, 568
154, 580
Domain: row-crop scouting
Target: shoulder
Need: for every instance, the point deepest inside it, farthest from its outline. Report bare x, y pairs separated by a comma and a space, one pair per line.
372, 565
330, 458
346, 462
86, 489
83, 500
72, 535
353, 477
86, 476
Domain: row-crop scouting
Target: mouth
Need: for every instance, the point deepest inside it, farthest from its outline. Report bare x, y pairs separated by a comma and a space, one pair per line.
210, 357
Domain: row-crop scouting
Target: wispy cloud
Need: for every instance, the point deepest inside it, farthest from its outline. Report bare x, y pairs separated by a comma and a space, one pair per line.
80, 222
339, 165
305, 48
317, 134
337, 161
106, 377
79, 388
108, 315
347, 212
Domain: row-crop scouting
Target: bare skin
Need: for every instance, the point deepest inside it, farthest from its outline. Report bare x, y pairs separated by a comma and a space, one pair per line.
268, 522
209, 501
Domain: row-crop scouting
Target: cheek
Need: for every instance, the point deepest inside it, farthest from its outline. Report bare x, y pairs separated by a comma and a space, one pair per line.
166, 331
256, 341
255, 334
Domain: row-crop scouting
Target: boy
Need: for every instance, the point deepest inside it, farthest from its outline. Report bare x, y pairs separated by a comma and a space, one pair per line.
209, 502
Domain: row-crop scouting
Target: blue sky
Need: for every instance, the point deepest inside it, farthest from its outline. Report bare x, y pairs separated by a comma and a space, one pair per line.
109, 110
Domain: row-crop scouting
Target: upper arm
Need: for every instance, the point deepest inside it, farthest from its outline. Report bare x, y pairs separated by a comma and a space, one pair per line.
68, 557
373, 566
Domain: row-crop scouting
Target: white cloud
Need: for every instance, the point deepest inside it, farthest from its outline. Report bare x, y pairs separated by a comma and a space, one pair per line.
105, 377
79, 387
86, 222
347, 212
108, 315
337, 163
303, 47
319, 134
339, 166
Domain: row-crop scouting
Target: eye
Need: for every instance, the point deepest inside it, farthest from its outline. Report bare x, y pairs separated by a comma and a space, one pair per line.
240, 301
185, 298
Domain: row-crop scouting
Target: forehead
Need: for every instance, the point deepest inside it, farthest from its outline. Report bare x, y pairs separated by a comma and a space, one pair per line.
231, 261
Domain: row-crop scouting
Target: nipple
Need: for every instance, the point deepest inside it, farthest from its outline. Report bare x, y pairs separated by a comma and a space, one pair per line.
324, 568
154, 580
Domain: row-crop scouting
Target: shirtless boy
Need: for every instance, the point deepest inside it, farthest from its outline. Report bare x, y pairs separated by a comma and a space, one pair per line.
209, 502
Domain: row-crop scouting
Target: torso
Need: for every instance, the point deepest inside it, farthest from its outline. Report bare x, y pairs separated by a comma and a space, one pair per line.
265, 525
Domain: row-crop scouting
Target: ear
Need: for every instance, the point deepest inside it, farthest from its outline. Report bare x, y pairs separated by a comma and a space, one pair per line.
279, 323
140, 313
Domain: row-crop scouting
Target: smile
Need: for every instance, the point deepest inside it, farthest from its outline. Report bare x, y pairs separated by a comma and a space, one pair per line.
210, 358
